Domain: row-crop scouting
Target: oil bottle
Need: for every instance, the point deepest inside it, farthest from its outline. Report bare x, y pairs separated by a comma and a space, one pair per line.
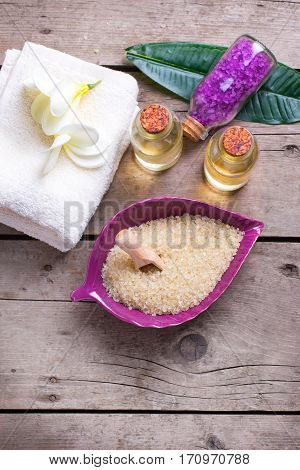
156, 137
230, 157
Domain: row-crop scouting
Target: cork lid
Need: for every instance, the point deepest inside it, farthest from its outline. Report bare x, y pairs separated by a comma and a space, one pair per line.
237, 141
193, 129
154, 118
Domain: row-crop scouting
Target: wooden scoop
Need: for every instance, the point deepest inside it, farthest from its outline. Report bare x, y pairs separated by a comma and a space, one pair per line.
128, 242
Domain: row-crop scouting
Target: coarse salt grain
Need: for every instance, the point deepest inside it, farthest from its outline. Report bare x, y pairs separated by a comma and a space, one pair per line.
196, 251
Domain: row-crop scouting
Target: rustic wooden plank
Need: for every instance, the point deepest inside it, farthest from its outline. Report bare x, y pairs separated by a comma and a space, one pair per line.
264, 196
151, 91
99, 31
270, 196
32, 270
272, 185
148, 431
241, 355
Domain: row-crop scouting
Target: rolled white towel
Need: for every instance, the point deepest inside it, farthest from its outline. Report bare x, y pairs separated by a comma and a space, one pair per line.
57, 207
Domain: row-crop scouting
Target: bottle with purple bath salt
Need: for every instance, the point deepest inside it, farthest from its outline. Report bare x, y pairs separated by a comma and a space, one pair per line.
218, 98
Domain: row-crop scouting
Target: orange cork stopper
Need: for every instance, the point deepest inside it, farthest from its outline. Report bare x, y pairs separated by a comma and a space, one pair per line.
154, 118
237, 141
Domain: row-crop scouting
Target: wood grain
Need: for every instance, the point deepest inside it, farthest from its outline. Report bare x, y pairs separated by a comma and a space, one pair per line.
99, 31
272, 195
31, 270
240, 355
272, 184
148, 431
150, 91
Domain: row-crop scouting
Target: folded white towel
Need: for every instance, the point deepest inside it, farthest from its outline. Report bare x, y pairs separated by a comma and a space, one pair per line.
44, 206
11, 58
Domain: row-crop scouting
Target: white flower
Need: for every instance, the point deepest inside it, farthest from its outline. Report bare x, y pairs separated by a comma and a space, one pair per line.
80, 143
55, 106
40, 81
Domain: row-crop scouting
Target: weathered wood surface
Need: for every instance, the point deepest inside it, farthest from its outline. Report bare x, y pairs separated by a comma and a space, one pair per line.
99, 31
272, 184
240, 355
148, 431
31, 270
272, 195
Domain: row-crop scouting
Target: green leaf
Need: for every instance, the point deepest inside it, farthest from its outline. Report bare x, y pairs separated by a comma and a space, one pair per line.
180, 66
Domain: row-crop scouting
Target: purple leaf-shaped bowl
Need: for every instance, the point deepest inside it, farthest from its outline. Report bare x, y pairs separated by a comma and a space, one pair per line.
156, 208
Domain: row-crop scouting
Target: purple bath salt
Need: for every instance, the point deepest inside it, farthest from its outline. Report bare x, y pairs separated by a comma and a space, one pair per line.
239, 73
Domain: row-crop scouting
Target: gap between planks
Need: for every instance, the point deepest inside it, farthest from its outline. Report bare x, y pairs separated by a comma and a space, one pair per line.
150, 412
93, 237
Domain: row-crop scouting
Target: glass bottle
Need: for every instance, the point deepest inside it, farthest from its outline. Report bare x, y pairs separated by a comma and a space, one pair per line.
230, 158
218, 98
156, 137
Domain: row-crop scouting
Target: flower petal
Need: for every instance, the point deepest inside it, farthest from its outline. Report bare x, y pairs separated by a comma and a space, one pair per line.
82, 136
59, 141
53, 125
43, 80
38, 107
90, 151
62, 96
87, 163
52, 160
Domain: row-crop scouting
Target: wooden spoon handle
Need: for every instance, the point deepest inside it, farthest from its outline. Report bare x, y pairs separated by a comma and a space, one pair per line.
127, 241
